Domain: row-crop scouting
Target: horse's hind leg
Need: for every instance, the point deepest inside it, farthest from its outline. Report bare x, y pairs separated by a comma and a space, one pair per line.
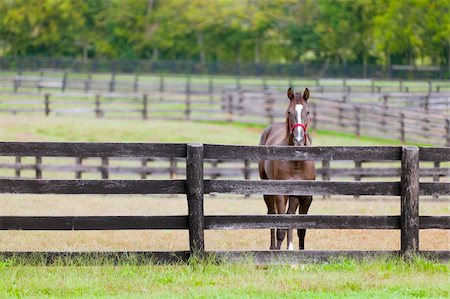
270, 202
305, 202
293, 204
280, 203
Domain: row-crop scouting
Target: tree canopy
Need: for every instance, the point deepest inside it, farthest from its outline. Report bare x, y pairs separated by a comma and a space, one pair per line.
339, 32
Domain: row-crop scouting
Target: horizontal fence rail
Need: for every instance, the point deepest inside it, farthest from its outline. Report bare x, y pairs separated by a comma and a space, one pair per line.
195, 186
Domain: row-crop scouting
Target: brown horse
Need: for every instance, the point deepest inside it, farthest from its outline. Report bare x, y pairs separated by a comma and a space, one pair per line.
292, 132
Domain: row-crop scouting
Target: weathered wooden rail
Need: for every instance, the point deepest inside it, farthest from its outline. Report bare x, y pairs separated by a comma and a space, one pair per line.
195, 186
173, 168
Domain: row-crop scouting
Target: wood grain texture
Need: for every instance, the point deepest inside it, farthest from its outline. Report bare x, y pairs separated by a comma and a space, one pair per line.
194, 191
302, 221
75, 149
92, 222
93, 186
274, 187
409, 206
214, 151
435, 188
439, 154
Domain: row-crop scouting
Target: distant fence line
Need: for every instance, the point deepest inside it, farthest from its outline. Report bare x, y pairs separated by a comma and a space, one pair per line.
229, 68
340, 114
141, 83
418, 119
407, 116
195, 186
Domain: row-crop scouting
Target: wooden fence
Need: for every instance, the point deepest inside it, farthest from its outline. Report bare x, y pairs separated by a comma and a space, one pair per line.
426, 122
174, 168
195, 186
347, 115
87, 82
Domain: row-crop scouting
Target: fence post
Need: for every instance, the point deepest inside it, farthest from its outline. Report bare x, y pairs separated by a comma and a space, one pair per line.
39, 85
211, 89
64, 82
16, 83
161, 87
447, 132
136, 83
402, 127
79, 163
87, 84
144, 106
409, 219
105, 168
269, 106
98, 111
247, 173
358, 166
194, 191
187, 111
18, 166
47, 104
112, 82
358, 121
144, 165
436, 166
38, 168
326, 174
173, 169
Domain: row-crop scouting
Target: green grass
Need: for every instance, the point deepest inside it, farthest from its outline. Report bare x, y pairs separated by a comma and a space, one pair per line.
88, 129
342, 278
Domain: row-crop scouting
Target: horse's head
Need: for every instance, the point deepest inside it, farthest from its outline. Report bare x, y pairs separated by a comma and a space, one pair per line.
298, 116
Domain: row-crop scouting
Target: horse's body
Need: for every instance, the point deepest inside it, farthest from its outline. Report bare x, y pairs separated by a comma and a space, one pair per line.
292, 132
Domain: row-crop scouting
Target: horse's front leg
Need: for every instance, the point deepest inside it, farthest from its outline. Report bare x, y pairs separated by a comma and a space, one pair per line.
305, 202
280, 203
292, 207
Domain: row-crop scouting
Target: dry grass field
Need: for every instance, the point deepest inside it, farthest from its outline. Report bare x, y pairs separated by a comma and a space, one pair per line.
85, 205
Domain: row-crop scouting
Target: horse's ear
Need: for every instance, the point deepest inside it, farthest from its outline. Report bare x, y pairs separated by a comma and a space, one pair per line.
290, 93
306, 94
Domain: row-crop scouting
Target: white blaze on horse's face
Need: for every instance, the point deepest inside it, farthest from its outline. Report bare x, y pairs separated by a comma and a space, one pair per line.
298, 139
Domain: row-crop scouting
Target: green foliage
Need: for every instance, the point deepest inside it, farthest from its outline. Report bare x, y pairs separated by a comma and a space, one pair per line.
275, 31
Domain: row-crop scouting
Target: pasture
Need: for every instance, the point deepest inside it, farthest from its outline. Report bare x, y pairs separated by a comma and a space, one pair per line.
342, 278
370, 277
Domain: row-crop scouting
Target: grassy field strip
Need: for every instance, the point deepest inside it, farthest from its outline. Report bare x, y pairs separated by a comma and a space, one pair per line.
383, 278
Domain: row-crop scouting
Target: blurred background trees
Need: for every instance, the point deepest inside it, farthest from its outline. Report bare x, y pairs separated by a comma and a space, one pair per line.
381, 32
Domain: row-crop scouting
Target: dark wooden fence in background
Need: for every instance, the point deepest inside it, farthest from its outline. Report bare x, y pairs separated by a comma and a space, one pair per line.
364, 108
195, 186
100, 82
420, 119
